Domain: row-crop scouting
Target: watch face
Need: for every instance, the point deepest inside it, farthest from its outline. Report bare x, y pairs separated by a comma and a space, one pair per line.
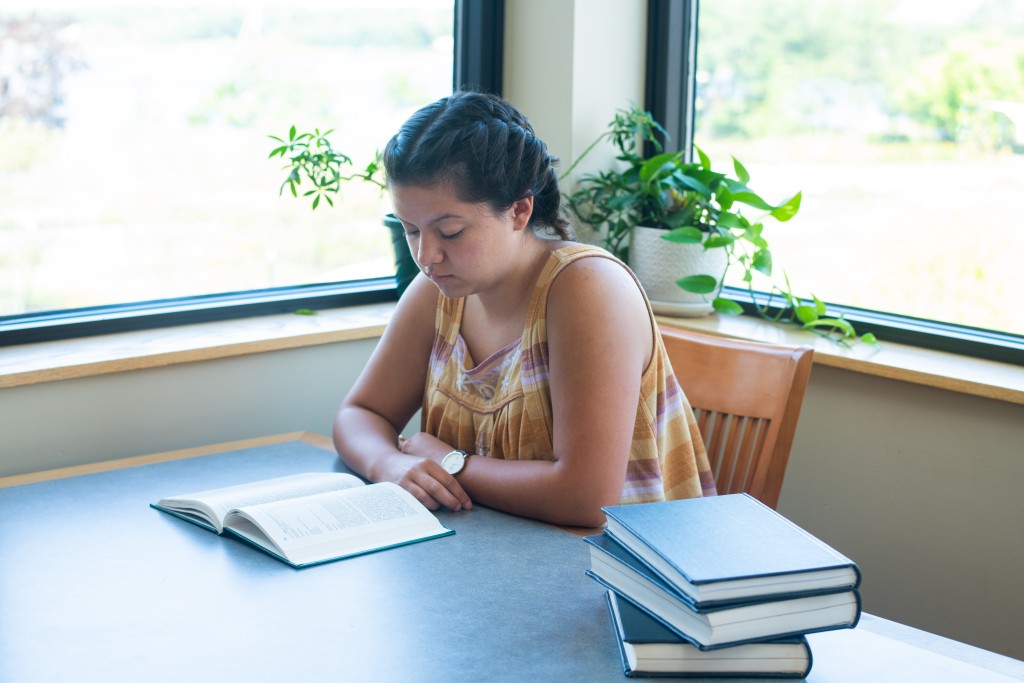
453, 462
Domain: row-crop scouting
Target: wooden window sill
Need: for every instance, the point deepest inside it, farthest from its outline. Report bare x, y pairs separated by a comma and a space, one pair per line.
89, 356
105, 354
943, 370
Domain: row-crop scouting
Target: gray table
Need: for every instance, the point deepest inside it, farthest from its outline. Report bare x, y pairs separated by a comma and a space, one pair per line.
97, 586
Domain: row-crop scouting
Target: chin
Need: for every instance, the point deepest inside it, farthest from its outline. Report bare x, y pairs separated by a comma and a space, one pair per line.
451, 287
451, 290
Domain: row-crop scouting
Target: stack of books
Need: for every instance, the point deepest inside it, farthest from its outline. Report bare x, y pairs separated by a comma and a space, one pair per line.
719, 586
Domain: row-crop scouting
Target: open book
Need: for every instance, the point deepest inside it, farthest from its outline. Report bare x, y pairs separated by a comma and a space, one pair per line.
306, 519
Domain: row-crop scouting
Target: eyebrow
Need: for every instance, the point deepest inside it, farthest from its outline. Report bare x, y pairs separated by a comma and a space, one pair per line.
433, 221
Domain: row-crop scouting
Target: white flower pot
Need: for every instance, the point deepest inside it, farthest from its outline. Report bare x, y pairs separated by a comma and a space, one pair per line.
658, 263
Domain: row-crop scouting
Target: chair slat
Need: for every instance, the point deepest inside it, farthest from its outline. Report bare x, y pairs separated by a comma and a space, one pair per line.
746, 398
753, 444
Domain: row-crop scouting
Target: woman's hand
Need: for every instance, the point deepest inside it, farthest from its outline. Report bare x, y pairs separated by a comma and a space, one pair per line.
421, 474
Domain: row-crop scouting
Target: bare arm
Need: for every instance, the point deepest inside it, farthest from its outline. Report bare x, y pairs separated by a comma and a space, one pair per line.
384, 398
599, 343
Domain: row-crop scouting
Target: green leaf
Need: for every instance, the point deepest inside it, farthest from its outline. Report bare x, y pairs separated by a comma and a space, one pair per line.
819, 305
743, 195
291, 133
838, 323
725, 198
741, 171
719, 241
788, 209
806, 314
304, 311
762, 261
698, 284
727, 219
655, 164
727, 306
869, 338
687, 235
695, 184
704, 160
316, 201
758, 241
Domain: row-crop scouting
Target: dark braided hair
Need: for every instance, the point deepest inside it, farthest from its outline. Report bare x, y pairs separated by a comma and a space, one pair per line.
486, 148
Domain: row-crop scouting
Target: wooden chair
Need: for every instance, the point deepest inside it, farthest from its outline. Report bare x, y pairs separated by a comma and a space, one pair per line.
747, 398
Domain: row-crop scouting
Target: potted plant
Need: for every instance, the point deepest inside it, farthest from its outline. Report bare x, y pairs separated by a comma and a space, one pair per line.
681, 225
311, 157
663, 198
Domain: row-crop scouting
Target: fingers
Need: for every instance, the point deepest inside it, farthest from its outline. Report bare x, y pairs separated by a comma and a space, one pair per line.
434, 487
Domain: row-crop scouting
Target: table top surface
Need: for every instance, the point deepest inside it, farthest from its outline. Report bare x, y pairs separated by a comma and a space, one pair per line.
96, 585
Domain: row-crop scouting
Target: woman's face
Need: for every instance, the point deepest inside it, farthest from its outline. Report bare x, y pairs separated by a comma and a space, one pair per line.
463, 248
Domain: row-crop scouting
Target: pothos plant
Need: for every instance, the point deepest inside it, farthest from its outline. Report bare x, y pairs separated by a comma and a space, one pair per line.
693, 204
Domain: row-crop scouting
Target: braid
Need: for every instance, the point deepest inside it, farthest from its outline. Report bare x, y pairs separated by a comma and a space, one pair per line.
486, 148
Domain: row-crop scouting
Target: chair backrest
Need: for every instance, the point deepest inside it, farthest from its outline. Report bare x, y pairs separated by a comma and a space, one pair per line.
747, 398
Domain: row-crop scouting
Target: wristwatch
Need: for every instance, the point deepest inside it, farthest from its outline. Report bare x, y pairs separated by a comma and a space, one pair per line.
454, 461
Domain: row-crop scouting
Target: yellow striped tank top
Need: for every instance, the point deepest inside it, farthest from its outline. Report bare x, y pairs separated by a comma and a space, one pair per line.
501, 407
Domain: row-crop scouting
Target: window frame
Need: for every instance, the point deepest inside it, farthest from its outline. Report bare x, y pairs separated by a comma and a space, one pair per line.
672, 34
478, 31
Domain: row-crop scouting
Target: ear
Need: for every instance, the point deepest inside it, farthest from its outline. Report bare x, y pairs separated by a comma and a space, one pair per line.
522, 210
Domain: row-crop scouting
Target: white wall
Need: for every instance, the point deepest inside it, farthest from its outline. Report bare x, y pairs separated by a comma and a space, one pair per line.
922, 487
569, 64
43, 426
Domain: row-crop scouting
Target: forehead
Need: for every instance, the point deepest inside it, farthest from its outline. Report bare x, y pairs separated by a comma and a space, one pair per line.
422, 204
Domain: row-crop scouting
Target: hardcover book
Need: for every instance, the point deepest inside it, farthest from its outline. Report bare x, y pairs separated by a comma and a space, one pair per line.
724, 549
307, 519
720, 625
648, 648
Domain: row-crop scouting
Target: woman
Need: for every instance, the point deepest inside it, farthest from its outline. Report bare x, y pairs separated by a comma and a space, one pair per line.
544, 387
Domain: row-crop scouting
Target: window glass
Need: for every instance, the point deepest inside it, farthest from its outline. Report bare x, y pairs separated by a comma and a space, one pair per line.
902, 122
134, 141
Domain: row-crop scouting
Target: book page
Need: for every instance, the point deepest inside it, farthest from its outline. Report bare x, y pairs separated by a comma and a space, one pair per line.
336, 524
216, 503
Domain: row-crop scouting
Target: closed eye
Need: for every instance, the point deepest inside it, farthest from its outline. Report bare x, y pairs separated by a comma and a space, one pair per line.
451, 236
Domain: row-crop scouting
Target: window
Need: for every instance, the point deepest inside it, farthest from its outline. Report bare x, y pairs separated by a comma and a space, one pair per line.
134, 143
903, 125
897, 121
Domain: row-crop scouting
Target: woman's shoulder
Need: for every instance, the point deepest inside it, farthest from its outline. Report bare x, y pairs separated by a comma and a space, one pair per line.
576, 264
599, 299
577, 257
591, 277
569, 252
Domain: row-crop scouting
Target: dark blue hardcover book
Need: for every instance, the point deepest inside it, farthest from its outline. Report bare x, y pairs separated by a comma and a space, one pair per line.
725, 549
719, 625
648, 648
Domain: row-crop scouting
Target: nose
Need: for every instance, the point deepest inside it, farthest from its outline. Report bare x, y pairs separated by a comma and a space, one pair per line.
429, 251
